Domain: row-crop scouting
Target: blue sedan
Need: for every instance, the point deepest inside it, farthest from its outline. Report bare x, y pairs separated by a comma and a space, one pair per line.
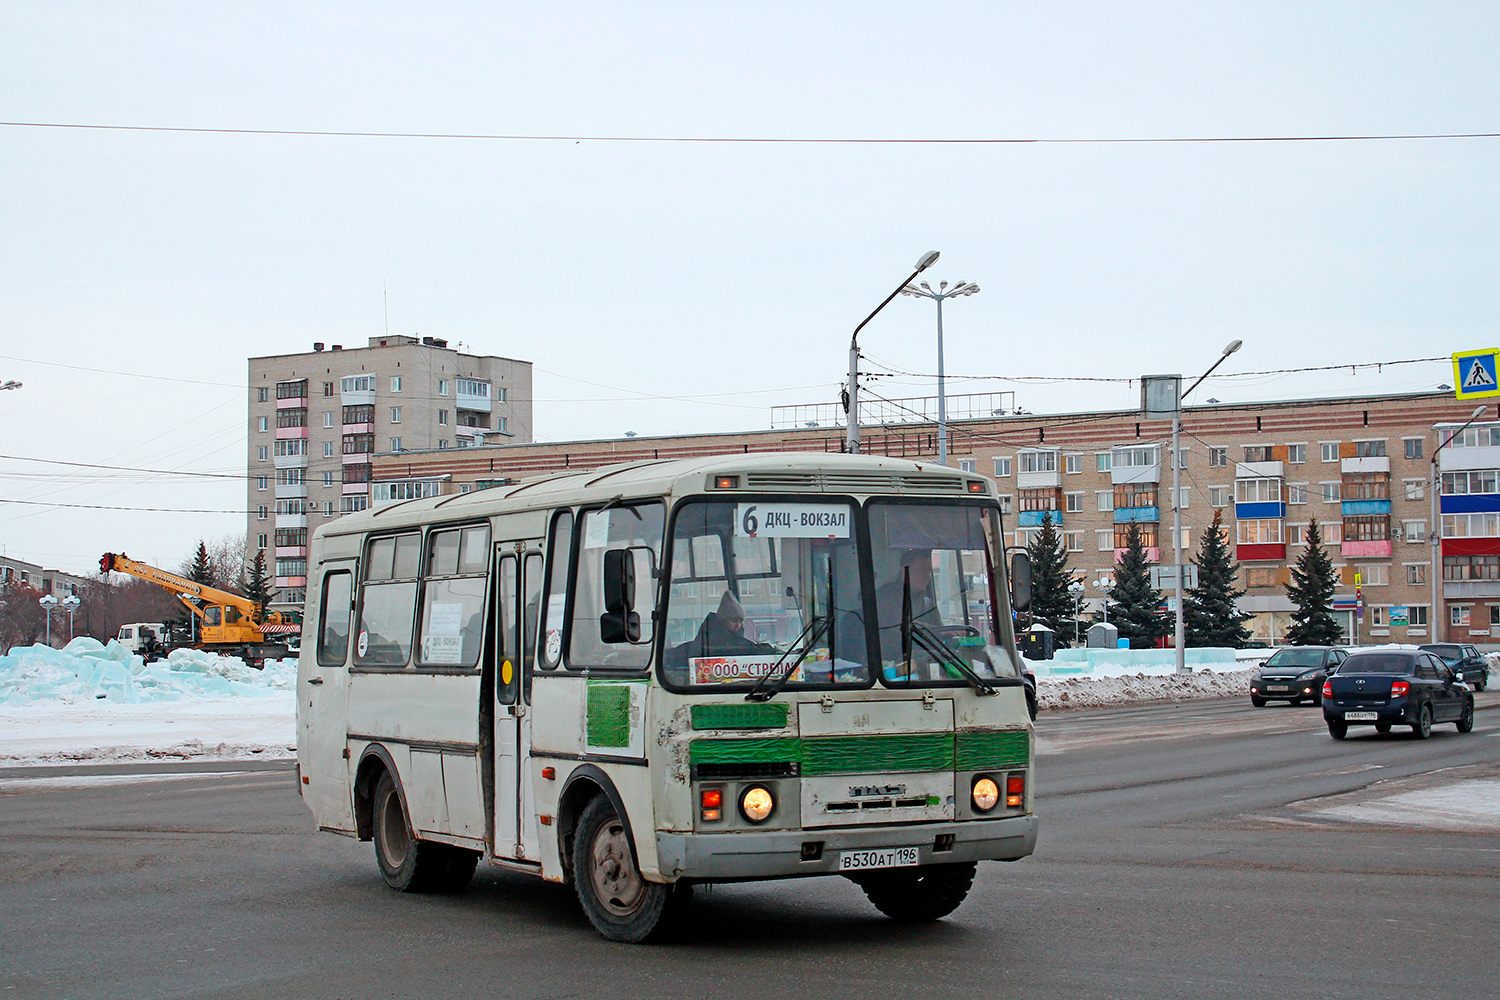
1396, 687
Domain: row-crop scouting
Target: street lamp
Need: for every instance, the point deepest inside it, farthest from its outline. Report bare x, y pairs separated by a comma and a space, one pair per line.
1105, 585
48, 602
1435, 532
1179, 640
851, 438
71, 603
1076, 589
943, 292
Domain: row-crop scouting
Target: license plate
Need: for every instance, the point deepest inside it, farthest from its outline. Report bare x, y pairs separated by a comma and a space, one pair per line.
1360, 716
1277, 687
890, 857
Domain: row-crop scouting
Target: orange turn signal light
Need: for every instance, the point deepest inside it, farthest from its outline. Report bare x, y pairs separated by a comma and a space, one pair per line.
1015, 789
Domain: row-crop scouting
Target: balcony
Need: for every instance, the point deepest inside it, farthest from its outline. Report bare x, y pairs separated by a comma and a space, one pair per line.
1153, 554
1366, 550
471, 401
287, 433
291, 461
1381, 463
1264, 550
1471, 589
1358, 508
1259, 470
286, 492
1480, 546
1453, 459
1137, 515
291, 520
1469, 503
1135, 473
1033, 518
1038, 480
1267, 510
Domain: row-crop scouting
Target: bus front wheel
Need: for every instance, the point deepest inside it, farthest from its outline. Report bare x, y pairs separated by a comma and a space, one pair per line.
915, 895
409, 864
617, 900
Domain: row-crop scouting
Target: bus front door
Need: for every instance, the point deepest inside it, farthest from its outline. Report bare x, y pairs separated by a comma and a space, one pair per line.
518, 568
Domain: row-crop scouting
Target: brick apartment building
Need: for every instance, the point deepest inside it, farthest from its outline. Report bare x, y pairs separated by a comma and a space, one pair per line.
1361, 467
317, 420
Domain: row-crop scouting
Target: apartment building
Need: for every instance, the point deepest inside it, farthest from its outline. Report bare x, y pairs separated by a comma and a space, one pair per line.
1362, 468
47, 581
317, 420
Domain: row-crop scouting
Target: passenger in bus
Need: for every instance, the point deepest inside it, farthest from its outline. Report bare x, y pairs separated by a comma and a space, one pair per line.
721, 634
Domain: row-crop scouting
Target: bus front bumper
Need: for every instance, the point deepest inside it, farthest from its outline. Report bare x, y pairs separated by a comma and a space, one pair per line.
754, 854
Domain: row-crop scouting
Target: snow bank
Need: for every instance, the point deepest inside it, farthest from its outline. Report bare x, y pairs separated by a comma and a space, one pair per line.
1120, 689
86, 670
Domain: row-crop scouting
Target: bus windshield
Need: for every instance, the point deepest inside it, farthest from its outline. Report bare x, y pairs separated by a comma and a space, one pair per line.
757, 586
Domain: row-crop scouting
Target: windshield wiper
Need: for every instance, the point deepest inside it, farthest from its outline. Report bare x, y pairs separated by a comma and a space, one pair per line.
773, 680
922, 635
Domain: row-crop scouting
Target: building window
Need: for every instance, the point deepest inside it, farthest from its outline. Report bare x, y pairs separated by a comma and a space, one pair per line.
1218, 458
357, 383
1135, 495
443, 422
1267, 490
1073, 540
500, 394
292, 418
395, 414
260, 482
294, 537
1372, 575
395, 444
327, 479
1457, 569
1458, 615
1472, 437
1218, 496
1297, 493
359, 413
1038, 461
1413, 447
1416, 616
1106, 499
1148, 535
328, 388
1074, 464
291, 447
327, 449
1414, 488
358, 473
1007, 503
354, 504
964, 465
260, 541
1414, 531
1296, 454
501, 424
1332, 492
442, 444
1367, 486
1075, 503
1258, 531
292, 390
1296, 534
262, 424
262, 512
442, 387
1378, 616
395, 383
1329, 451
1106, 539
1367, 529
1136, 458
1416, 573
1002, 466
328, 419
262, 394
290, 477
1262, 576
1477, 481
1258, 453
1104, 461
1369, 449
1333, 532
261, 453
472, 387
1480, 525
359, 444
1183, 496
1043, 499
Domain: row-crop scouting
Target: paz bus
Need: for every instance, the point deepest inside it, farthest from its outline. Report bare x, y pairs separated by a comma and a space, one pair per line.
661, 674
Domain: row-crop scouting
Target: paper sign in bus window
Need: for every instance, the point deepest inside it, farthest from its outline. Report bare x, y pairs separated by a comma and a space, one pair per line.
791, 520
442, 641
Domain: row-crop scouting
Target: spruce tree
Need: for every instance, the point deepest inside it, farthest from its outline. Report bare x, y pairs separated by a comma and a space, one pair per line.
1209, 614
201, 569
1311, 590
257, 582
1051, 604
1135, 605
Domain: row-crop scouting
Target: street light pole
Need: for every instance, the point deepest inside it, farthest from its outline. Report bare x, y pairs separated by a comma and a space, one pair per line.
1179, 633
1076, 589
1434, 530
48, 602
943, 292
71, 602
851, 436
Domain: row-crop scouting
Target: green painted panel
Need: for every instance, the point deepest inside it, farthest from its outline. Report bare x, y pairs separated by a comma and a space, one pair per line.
609, 715
752, 751
864, 754
1004, 748
748, 716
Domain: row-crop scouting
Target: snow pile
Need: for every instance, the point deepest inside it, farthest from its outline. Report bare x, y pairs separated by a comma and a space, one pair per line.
1102, 691
86, 670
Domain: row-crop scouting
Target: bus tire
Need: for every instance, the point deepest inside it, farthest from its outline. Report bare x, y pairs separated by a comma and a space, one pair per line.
918, 895
620, 904
408, 864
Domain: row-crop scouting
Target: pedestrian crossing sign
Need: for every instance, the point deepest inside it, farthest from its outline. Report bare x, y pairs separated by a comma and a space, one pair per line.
1474, 374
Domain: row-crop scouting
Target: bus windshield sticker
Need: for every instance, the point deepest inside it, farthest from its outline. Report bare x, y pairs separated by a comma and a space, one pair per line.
791, 520
444, 644
737, 669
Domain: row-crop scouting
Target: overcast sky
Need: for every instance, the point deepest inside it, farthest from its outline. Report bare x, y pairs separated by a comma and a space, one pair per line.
667, 287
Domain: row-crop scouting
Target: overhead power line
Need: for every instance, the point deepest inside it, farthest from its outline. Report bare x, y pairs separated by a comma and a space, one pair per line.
762, 140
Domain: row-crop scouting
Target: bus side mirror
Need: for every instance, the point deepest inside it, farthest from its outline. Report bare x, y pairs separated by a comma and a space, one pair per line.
619, 623
1020, 581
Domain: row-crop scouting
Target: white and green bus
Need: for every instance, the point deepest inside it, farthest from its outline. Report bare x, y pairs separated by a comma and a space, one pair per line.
661, 674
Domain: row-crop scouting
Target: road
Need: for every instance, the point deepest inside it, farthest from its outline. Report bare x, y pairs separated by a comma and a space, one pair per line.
1199, 850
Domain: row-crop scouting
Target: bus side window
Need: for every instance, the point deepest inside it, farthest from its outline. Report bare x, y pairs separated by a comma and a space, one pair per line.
559, 555
388, 601
637, 528
506, 682
531, 582
335, 608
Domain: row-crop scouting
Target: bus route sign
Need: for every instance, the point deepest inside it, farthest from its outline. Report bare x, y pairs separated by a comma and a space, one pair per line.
1475, 374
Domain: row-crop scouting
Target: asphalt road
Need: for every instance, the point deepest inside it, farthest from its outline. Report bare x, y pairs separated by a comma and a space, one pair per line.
1184, 853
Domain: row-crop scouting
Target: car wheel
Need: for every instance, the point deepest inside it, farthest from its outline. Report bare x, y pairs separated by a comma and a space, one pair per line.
1466, 721
1423, 727
1382, 727
408, 864
1338, 730
917, 895
1257, 701
620, 904
1479, 684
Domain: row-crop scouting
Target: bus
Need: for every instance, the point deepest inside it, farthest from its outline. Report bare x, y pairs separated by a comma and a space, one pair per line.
661, 674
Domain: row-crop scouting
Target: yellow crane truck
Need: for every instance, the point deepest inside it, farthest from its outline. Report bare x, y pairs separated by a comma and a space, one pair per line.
228, 624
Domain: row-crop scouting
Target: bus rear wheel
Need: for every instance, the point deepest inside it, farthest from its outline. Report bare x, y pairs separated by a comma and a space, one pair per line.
916, 895
620, 904
409, 864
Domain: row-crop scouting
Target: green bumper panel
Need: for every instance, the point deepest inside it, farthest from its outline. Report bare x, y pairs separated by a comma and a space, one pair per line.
968, 751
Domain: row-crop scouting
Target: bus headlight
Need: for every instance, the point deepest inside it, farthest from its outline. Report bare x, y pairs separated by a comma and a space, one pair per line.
985, 793
757, 803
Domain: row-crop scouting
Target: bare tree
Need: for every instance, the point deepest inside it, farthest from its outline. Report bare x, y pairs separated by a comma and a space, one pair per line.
22, 621
230, 561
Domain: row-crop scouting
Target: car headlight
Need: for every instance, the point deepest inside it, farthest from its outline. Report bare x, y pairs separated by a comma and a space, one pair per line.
1307, 675
985, 793
757, 803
